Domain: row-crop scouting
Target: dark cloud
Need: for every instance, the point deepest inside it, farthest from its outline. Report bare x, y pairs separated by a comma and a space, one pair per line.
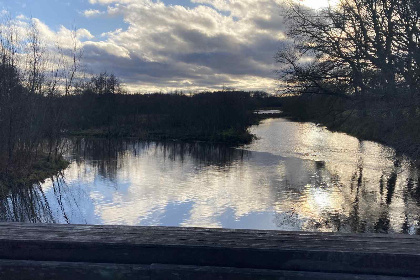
221, 43
226, 63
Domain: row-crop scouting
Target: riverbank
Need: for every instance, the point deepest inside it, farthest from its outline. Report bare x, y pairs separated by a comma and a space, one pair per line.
230, 137
160, 132
39, 170
211, 117
384, 121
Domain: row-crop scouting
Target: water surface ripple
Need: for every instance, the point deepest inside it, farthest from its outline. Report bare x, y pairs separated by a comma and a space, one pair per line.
296, 176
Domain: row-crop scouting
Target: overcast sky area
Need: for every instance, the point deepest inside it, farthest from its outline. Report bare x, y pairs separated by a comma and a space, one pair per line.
170, 44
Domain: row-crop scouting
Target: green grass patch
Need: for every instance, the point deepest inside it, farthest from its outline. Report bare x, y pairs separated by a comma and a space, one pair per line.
38, 171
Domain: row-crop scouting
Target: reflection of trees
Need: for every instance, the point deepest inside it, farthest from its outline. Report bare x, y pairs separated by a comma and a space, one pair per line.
103, 154
367, 205
202, 153
30, 204
356, 186
107, 155
411, 196
413, 186
358, 221
307, 194
25, 204
387, 191
383, 224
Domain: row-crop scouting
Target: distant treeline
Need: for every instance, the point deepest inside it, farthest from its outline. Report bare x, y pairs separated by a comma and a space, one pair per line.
222, 116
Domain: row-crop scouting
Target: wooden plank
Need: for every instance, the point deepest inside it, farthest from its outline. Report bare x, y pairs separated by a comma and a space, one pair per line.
394, 255
397, 244
164, 272
33, 270
37, 270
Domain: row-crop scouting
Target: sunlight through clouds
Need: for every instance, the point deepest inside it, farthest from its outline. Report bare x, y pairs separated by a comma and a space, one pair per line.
203, 45
211, 45
318, 4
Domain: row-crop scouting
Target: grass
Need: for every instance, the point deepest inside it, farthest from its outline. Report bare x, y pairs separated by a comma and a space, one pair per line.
232, 137
38, 171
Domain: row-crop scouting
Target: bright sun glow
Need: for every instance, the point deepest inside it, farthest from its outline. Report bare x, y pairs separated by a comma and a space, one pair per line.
317, 4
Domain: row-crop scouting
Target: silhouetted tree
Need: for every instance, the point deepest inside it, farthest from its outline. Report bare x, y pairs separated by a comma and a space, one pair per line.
357, 47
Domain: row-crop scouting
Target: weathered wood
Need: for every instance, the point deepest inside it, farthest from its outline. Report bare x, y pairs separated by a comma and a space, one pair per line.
38, 270
33, 270
164, 272
392, 255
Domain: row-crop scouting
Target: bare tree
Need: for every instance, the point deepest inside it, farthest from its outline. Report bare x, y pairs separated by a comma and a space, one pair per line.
28, 112
358, 45
35, 56
72, 65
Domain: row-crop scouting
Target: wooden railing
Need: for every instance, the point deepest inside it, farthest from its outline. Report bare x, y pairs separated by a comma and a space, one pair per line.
48, 251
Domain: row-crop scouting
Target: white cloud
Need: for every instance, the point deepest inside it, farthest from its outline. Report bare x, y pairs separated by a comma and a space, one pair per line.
216, 43
108, 47
91, 13
112, 1
21, 17
63, 37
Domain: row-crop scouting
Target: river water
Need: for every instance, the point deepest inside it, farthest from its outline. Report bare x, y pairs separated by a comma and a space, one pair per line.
296, 176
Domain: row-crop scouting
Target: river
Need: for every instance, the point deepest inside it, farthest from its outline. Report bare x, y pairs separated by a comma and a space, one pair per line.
296, 176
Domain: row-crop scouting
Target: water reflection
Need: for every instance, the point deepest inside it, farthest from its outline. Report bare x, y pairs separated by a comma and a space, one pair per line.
35, 204
295, 177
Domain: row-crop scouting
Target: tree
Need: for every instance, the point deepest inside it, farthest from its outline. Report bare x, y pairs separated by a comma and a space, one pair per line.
28, 112
104, 84
355, 48
35, 59
71, 67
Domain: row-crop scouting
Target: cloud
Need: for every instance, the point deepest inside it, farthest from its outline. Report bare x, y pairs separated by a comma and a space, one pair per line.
91, 13
110, 1
63, 37
21, 17
98, 49
213, 44
208, 45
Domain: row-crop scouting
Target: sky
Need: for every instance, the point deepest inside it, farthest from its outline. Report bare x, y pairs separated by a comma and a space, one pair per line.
167, 45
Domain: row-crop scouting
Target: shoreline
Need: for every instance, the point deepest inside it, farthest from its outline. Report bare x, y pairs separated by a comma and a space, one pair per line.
357, 128
226, 138
40, 170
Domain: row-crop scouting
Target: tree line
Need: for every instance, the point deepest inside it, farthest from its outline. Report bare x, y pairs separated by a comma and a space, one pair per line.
215, 116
